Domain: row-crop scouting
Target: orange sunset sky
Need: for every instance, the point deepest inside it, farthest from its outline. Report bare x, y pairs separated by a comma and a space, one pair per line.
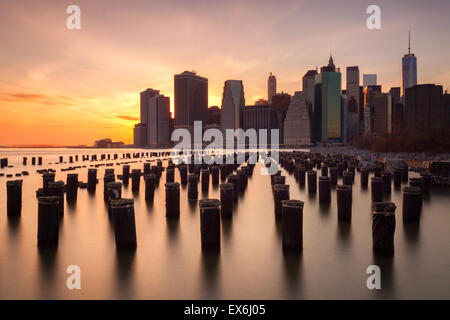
71, 87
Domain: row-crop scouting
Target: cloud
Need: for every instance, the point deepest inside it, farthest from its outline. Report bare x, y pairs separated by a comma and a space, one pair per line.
125, 117
36, 97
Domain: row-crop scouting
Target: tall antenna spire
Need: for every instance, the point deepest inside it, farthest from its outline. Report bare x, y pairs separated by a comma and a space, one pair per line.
409, 41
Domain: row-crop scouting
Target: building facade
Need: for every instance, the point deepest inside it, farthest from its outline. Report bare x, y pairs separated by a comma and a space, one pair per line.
297, 125
154, 126
327, 104
409, 69
191, 100
369, 80
233, 104
271, 87
260, 117
424, 107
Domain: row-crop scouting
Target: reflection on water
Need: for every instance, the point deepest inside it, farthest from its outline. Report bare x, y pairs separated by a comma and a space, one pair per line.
169, 262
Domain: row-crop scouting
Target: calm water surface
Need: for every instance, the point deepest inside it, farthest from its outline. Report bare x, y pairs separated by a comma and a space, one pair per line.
169, 264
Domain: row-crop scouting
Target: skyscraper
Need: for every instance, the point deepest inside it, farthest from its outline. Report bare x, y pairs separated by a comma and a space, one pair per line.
409, 69
271, 87
377, 111
153, 128
353, 83
369, 80
424, 107
327, 103
308, 87
233, 104
297, 124
191, 100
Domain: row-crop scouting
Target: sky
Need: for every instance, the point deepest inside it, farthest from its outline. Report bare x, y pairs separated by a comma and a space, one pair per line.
72, 87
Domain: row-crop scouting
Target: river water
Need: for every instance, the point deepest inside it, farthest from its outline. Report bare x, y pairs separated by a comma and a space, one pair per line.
169, 263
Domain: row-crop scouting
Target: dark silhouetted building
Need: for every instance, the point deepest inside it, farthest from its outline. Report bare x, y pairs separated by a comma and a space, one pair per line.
191, 100
327, 104
233, 104
153, 130
261, 117
424, 107
271, 87
409, 69
214, 115
280, 103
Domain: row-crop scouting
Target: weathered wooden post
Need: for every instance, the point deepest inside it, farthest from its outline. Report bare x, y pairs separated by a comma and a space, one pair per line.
135, 179
234, 179
40, 161
146, 168
109, 177
333, 175
61, 159
364, 177
124, 224
377, 171
183, 173
324, 170
426, 183
241, 175
397, 178
292, 225
92, 180
412, 203
383, 226
210, 224
56, 188
150, 184
347, 178
344, 202
226, 199
48, 221
281, 192
312, 181
340, 167
114, 193
172, 200
156, 172
387, 182
170, 175
14, 198
72, 187
24, 161
214, 175
377, 189
46, 178
125, 174
192, 187
405, 172
205, 179
324, 189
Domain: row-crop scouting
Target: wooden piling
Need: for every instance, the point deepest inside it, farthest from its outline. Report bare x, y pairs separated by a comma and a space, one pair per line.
376, 189
92, 180
226, 199
192, 187
56, 188
344, 202
14, 198
72, 187
124, 224
135, 179
324, 189
383, 226
114, 193
210, 224
48, 221
281, 192
312, 181
150, 184
292, 225
412, 203
172, 200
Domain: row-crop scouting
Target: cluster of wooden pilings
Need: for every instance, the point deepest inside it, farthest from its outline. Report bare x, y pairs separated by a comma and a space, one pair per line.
306, 166
232, 179
319, 173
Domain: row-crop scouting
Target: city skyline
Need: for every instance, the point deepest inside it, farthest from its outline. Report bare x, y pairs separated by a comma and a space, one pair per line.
61, 95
